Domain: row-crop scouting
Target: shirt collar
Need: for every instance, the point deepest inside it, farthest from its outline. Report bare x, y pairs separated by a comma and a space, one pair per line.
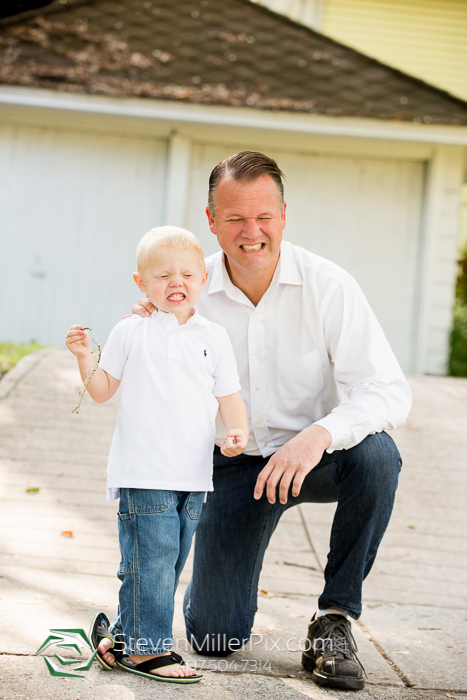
287, 271
194, 318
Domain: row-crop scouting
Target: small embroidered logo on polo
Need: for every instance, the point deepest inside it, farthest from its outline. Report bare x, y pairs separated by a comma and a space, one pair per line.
205, 353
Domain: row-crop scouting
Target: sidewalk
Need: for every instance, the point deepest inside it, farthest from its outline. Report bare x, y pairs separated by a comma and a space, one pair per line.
412, 634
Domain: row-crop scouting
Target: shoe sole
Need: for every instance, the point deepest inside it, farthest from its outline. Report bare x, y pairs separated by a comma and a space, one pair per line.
343, 682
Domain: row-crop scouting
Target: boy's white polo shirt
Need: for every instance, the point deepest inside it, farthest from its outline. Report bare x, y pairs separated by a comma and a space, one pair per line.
170, 378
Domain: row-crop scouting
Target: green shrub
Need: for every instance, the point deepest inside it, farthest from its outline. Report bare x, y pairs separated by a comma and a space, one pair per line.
458, 354
458, 338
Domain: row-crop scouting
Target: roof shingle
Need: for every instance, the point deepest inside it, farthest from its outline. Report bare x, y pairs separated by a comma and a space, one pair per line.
226, 52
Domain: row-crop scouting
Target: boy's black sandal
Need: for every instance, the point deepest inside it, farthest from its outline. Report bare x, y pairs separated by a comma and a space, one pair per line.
100, 630
145, 668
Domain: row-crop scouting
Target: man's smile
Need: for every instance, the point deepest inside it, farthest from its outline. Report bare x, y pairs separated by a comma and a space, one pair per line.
256, 246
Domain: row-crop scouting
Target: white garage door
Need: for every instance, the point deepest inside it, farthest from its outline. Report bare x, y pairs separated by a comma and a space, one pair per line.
362, 213
72, 208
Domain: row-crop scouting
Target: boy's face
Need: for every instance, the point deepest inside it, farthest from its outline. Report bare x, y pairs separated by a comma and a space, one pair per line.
173, 280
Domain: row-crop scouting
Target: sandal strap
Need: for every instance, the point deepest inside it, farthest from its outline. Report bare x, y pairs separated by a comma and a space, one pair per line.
161, 661
118, 644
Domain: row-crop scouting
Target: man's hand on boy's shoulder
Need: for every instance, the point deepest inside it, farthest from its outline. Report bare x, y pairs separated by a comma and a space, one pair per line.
145, 307
235, 442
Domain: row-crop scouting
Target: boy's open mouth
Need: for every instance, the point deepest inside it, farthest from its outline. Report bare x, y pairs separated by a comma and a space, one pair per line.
248, 248
176, 297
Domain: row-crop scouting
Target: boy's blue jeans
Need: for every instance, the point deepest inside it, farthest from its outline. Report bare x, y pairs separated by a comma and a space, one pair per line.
234, 531
155, 531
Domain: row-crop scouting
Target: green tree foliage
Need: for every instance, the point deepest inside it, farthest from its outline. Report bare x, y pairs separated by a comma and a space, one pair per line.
458, 355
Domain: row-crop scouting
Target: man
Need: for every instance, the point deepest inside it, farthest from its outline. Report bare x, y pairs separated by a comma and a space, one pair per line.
321, 385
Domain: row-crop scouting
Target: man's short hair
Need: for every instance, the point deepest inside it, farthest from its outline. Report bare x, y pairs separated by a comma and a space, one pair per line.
167, 237
245, 166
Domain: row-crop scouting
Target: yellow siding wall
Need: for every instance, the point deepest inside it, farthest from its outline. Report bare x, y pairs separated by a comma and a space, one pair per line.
426, 38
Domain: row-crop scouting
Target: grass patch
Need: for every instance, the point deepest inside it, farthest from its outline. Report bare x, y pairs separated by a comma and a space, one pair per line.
10, 353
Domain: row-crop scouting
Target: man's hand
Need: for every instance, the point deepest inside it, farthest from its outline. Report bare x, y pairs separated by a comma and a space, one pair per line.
292, 462
144, 308
235, 442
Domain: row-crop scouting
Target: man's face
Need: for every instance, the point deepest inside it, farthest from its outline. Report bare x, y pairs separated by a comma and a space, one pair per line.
248, 222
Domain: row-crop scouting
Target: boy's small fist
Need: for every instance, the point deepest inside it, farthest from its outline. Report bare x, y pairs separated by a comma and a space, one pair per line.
78, 342
235, 442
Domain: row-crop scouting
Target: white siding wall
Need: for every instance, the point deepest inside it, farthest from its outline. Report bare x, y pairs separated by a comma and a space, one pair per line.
362, 213
72, 208
309, 12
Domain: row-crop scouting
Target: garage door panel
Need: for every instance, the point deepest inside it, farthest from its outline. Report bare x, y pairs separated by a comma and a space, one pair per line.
74, 206
362, 213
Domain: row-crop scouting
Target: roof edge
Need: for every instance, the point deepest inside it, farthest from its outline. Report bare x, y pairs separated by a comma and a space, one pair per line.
242, 117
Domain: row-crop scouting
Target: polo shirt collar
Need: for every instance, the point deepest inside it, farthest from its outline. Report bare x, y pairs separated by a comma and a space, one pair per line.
287, 272
194, 318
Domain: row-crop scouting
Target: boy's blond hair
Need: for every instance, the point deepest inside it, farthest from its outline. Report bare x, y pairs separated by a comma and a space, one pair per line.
166, 237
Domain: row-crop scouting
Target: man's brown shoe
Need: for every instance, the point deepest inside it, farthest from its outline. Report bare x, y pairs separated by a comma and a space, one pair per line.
332, 654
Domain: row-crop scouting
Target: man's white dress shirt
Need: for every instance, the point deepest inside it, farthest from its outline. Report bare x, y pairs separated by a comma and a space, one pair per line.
171, 376
311, 351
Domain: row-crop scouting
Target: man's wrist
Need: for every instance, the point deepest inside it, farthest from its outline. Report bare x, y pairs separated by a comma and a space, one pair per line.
320, 435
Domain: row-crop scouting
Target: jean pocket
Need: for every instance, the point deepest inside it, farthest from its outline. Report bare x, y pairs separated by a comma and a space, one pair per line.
194, 504
145, 501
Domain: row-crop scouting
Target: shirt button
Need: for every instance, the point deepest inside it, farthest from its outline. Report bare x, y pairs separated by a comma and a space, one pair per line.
172, 335
257, 388
259, 421
265, 444
255, 316
255, 352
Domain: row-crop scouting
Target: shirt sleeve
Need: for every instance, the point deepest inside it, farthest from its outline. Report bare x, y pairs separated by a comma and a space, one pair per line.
378, 396
226, 380
115, 352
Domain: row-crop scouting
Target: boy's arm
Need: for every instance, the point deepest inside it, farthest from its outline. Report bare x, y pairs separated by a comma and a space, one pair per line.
102, 385
234, 417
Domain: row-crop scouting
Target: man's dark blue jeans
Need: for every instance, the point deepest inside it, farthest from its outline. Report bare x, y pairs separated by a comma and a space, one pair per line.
234, 531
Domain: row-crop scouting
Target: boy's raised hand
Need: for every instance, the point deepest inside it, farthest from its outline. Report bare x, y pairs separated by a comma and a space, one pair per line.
78, 342
235, 442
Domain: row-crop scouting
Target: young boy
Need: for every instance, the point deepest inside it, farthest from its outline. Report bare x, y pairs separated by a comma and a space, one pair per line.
176, 370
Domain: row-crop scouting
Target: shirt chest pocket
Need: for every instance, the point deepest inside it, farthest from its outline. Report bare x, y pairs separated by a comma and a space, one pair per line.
299, 376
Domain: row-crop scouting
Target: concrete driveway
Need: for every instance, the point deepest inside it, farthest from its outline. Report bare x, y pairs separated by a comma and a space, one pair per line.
59, 555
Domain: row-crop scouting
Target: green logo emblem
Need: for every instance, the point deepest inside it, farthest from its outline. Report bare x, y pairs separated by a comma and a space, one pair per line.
67, 639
